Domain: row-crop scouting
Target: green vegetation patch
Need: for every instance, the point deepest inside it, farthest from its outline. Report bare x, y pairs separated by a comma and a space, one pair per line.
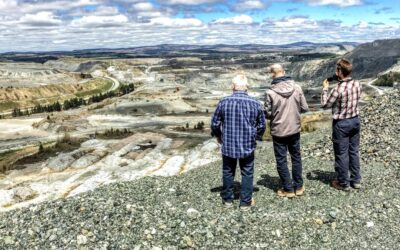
103, 86
8, 105
388, 80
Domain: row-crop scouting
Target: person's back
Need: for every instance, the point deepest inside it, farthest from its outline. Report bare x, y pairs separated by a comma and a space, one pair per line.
240, 114
284, 101
237, 122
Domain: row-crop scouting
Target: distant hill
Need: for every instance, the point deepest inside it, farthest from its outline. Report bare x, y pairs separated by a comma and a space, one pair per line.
370, 59
165, 50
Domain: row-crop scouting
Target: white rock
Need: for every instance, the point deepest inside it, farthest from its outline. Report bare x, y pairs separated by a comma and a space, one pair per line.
370, 224
61, 162
6, 197
85, 161
23, 194
193, 213
81, 240
171, 167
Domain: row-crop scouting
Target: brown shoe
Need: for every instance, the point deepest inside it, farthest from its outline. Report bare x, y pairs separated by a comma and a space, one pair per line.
249, 206
283, 193
300, 191
336, 185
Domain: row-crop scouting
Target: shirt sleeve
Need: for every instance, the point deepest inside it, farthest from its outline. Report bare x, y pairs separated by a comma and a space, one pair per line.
267, 106
216, 121
327, 100
261, 124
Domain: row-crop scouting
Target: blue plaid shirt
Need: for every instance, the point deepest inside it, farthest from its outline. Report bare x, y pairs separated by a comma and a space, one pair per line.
239, 121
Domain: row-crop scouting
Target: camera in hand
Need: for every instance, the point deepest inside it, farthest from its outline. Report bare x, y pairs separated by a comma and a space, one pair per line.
333, 78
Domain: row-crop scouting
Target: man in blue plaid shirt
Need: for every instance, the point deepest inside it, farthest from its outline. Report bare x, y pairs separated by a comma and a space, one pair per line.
237, 123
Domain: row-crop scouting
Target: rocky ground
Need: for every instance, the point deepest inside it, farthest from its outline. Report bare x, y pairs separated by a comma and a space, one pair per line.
184, 211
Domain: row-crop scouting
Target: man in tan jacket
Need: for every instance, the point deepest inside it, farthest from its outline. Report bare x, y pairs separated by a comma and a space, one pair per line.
284, 102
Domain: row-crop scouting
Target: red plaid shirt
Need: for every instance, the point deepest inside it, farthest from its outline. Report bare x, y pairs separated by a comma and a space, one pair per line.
343, 99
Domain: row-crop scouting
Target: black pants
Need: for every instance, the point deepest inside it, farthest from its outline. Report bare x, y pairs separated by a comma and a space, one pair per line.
281, 146
346, 145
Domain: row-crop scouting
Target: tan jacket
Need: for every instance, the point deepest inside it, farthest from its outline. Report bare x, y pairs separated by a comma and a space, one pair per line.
284, 102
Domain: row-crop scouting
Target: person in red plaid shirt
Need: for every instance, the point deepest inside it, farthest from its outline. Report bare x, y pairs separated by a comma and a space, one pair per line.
344, 100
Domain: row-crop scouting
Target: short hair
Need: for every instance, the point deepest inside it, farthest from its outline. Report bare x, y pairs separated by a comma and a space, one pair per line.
275, 68
344, 66
240, 81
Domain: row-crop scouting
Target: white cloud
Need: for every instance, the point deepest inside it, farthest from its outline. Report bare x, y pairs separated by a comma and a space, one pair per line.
241, 19
191, 2
340, 3
249, 5
43, 18
362, 25
176, 22
7, 4
100, 21
143, 6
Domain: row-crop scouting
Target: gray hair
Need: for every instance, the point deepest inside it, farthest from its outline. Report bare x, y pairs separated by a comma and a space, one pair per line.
240, 82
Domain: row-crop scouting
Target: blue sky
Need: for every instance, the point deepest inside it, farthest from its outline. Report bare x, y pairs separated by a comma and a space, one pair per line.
41, 25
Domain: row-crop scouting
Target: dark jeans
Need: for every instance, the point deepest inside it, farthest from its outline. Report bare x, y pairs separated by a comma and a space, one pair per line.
346, 144
228, 175
281, 146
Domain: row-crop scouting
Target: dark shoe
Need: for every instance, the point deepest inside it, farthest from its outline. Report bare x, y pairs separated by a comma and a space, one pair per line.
356, 186
247, 207
300, 191
336, 185
283, 193
227, 204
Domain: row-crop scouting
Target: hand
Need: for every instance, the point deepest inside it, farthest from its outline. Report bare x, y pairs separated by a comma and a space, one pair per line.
325, 85
219, 140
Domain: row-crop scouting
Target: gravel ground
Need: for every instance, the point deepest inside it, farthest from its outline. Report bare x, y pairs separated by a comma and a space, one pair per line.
185, 212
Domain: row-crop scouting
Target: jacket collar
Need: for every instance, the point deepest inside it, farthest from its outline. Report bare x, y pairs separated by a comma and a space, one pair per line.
281, 79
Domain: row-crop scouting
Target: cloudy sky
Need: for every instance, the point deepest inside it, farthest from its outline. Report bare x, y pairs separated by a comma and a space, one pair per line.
43, 25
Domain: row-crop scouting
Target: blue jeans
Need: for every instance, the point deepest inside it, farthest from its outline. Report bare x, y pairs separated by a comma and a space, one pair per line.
346, 145
281, 146
228, 175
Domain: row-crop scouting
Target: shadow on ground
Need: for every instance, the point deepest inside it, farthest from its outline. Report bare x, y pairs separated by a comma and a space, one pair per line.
270, 182
322, 176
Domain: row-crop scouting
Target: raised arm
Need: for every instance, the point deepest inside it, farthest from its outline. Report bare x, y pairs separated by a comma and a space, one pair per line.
327, 100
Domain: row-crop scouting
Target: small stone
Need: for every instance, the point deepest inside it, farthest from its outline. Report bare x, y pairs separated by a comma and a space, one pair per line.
318, 221
333, 225
193, 213
370, 224
8, 240
81, 239
333, 214
188, 241
278, 233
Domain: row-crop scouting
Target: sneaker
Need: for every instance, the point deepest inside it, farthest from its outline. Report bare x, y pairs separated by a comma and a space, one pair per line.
283, 193
336, 185
356, 185
227, 204
248, 206
300, 191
